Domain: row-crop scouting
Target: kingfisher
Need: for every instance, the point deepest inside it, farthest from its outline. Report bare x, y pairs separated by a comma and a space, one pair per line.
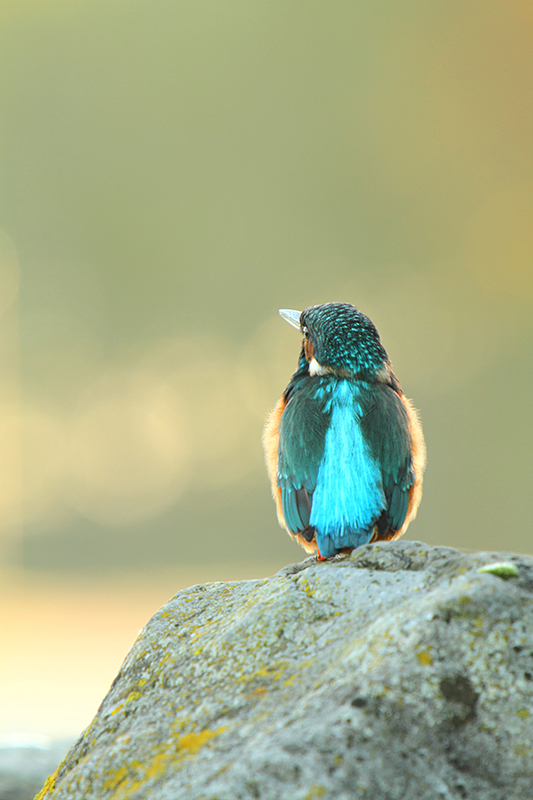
344, 447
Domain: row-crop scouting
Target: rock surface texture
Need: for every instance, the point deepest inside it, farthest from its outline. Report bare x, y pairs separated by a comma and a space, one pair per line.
397, 673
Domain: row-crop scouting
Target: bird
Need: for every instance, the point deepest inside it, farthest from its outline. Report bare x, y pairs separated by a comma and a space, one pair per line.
344, 447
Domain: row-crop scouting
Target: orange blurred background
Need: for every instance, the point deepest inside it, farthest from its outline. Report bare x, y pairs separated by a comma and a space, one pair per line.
171, 173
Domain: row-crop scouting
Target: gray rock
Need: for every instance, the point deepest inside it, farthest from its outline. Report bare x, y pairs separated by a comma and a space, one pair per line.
397, 673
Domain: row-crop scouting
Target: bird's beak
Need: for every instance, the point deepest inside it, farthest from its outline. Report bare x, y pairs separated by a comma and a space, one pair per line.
290, 316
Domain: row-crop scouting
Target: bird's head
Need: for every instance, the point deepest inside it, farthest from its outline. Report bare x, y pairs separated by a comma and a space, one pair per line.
339, 340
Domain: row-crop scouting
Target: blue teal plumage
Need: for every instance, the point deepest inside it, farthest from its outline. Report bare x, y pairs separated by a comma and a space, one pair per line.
344, 447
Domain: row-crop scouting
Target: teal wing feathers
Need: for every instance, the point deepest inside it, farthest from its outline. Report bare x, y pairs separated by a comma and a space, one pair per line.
302, 436
385, 426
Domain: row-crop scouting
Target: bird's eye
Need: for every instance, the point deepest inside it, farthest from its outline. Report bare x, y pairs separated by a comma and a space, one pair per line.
305, 331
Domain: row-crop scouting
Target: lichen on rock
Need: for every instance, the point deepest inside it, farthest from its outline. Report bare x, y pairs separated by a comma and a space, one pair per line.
400, 671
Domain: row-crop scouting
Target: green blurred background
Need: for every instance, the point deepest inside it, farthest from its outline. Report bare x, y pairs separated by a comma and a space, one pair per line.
172, 172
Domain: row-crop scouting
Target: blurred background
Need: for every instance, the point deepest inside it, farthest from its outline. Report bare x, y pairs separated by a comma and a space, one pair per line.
171, 173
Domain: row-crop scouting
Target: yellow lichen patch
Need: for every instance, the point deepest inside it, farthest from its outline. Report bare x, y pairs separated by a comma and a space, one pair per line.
117, 709
425, 658
133, 696
304, 665
199, 630
464, 599
315, 791
128, 780
258, 692
157, 766
260, 673
523, 713
181, 723
89, 729
49, 786
520, 750
116, 777
124, 784
163, 661
191, 742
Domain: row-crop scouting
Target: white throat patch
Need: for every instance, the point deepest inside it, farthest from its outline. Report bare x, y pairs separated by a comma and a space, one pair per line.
315, 368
